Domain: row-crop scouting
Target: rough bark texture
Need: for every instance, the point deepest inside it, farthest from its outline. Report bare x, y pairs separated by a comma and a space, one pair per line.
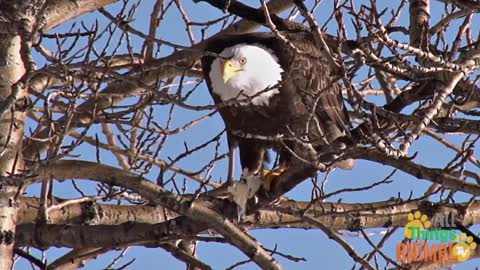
11, 135
419, 23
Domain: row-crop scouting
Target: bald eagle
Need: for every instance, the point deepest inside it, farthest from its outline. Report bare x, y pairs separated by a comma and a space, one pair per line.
280, 91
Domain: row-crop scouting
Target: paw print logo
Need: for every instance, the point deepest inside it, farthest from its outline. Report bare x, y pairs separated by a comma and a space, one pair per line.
463, 249
416, 220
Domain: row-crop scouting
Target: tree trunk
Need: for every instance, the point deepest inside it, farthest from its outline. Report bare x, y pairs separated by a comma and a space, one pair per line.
11, 133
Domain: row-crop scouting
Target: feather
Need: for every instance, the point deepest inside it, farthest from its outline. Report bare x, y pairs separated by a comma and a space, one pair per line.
308, 96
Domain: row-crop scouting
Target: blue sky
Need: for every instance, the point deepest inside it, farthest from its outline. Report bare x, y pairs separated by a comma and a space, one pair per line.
313, 245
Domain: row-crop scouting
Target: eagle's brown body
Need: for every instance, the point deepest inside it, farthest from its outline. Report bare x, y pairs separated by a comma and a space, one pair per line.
309, 96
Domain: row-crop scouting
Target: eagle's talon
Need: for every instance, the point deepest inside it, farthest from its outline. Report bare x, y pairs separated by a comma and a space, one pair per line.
270, 176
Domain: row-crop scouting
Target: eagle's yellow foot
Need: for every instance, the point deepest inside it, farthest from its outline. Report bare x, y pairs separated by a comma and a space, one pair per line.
270, 176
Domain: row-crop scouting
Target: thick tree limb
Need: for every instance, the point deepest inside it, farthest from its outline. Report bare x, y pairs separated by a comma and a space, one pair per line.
422, 172
68, 169
60, 11
93, 213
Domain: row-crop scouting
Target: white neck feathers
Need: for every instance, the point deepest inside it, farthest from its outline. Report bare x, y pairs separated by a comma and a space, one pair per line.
260, 72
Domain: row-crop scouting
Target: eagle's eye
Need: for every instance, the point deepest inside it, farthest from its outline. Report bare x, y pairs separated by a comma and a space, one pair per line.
243, 61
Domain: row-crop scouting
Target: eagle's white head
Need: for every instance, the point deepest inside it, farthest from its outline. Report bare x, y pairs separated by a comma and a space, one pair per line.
244, 70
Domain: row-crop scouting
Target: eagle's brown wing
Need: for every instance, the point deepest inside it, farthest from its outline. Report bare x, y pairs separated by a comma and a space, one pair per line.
315, 81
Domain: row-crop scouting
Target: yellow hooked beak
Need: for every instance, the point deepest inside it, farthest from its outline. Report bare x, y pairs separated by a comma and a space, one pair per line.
229, 69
